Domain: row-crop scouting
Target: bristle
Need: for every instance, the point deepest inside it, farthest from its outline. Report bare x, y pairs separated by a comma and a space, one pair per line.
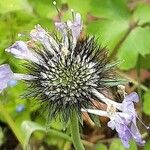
65, 82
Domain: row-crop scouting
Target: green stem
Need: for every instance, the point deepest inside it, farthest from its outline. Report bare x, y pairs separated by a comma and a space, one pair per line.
11, 123
75, 132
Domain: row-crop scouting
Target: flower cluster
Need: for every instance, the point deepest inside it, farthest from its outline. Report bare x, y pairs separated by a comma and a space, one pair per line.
123, 120
66, 70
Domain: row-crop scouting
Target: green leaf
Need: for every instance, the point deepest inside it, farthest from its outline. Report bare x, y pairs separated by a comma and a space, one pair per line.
81, 7
100, 147
43, 8
136, 43
103, 30
133, 145
142, 13
29, 127
110, 9
147, 146
13, 5
145, 62
146, 103
116, 145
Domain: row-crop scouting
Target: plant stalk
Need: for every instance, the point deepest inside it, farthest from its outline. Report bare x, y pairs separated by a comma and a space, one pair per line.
75, 132
11, 123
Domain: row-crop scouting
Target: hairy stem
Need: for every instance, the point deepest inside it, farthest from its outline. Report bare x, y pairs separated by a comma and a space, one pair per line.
75, 132
12, 124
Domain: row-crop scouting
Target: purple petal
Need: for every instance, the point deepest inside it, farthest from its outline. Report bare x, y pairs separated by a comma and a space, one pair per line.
39, 34
126, 128
21, 50
76, 25
136, 134
6, 75
132, 97
62, 28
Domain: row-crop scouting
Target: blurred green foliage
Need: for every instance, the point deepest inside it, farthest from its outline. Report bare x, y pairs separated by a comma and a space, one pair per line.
121, 25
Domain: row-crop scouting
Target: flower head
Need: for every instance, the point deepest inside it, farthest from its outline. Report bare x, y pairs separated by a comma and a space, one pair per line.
63, 68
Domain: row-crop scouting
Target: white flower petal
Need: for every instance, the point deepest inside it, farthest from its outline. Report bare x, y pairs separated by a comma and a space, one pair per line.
19, 76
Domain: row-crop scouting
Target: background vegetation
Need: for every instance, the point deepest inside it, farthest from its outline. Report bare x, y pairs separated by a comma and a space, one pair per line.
121, 25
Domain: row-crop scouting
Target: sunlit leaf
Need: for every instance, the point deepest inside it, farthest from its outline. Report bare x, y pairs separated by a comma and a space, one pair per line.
109, 32
110, 9
142, 13
13, 5
136, 43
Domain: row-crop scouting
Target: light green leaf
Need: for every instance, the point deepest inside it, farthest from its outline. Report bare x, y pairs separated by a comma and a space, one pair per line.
100, 147
110, 9
109, 32
13, 5
29, 127
136, 43
142, 13
146, 103
82, 6
133, 145
43, 8
116, 145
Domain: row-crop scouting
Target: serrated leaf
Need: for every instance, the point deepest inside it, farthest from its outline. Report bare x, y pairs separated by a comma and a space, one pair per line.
146, 103
13, 5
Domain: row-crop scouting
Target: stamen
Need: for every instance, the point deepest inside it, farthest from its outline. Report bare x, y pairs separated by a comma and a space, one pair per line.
147, 127
58, 11
106, 100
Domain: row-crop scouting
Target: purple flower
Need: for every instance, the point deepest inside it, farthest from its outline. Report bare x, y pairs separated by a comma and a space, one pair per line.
6, 76
123, 122
39, 34
75, 25
128, 103
21, 50
125, 125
